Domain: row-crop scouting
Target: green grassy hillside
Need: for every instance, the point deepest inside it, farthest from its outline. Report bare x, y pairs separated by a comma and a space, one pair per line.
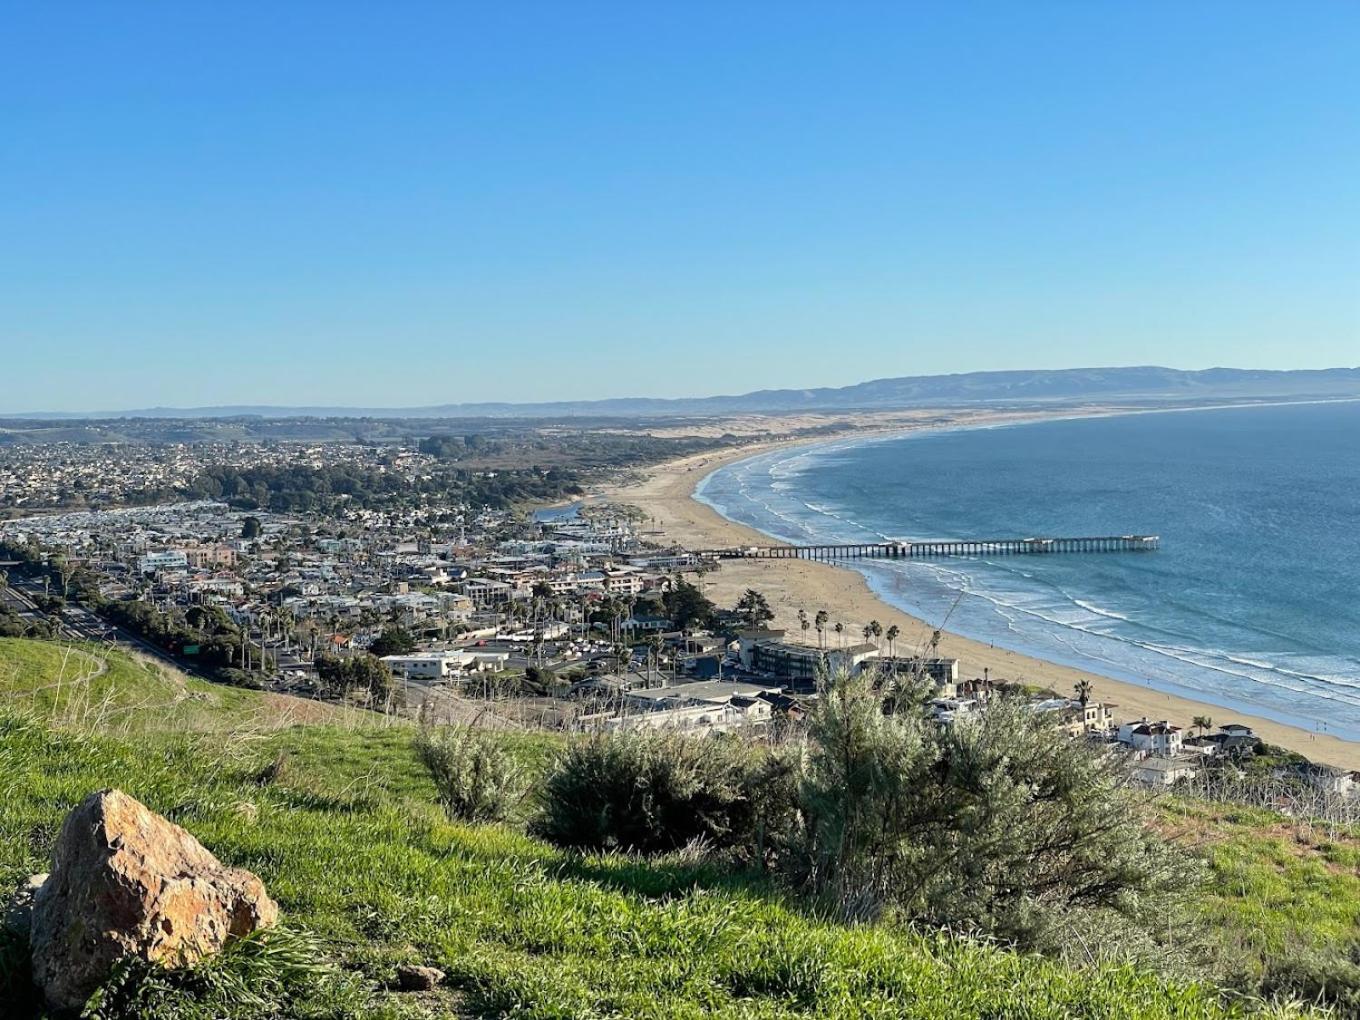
335, 812
90, 689
1283, 893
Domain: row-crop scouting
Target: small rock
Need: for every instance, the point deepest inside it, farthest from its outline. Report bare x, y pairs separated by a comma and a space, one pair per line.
411, 978
127, 882
19, 911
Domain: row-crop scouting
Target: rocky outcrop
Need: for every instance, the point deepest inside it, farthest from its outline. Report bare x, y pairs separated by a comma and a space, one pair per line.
127, 882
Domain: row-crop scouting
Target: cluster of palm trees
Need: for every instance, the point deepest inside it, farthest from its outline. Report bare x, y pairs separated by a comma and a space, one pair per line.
873, 630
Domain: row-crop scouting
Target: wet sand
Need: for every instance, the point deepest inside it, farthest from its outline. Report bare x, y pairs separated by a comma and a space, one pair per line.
666, 496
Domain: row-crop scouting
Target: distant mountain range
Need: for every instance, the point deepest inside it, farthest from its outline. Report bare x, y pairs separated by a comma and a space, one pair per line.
1140, 384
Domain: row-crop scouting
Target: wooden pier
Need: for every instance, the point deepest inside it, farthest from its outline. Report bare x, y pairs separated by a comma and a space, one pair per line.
941, 548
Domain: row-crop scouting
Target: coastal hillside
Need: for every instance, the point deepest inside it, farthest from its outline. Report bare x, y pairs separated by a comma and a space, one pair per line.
338, 814
1137, 384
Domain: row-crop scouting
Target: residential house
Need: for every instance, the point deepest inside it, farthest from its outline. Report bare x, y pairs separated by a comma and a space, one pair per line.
1156, 739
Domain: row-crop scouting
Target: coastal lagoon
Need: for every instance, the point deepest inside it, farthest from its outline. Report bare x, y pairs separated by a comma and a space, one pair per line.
1252, 603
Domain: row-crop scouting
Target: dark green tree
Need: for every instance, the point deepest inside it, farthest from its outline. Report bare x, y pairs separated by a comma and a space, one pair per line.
754, 610
687, 607
393, 640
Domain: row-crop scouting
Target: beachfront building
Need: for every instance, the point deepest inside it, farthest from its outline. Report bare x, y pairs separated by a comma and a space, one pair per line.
943, 673
1151, 739
766, 651
1074, 718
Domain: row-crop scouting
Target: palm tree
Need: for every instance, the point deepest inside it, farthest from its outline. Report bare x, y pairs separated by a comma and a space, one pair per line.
655, 644
868, 632
701, 572
840, 632
803, 623
1083, 688
819, 621
1202, 723
892, 634
875, 631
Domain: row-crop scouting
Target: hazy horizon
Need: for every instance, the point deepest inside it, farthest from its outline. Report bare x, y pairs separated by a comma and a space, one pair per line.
1081, 383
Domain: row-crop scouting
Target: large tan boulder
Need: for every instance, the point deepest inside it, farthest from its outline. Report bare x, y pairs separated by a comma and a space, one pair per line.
127, 882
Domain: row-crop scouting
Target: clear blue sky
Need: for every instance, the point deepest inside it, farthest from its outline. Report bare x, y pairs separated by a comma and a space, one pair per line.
398, 203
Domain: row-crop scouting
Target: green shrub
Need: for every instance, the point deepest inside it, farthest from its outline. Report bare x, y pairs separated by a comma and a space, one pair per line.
866, 774
655, 792
241, 678
996, 824
478, 779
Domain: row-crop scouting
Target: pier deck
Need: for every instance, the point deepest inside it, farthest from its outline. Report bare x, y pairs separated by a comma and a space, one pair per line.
936, 549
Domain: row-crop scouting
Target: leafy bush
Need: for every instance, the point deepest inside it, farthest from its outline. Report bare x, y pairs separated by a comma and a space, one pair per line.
350, 673
996, 824
866, 770
655, 792
477, 778
241, 678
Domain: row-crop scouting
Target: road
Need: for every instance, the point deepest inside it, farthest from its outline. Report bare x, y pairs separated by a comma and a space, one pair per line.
79, 624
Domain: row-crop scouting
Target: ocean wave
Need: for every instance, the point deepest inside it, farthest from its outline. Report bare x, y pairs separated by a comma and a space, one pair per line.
1174, 622
1031, 615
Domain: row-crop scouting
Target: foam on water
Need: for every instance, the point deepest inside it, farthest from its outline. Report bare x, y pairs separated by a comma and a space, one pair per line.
1250, 604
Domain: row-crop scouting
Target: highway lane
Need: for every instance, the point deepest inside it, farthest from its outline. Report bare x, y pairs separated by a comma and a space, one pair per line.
78, 623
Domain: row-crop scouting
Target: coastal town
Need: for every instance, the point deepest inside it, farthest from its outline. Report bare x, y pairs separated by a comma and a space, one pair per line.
583, 616
606, 511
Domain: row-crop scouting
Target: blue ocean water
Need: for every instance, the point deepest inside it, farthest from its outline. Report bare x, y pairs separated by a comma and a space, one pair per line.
1252, 603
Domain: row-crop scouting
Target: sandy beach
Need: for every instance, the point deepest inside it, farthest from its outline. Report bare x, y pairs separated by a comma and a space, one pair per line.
666, 496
